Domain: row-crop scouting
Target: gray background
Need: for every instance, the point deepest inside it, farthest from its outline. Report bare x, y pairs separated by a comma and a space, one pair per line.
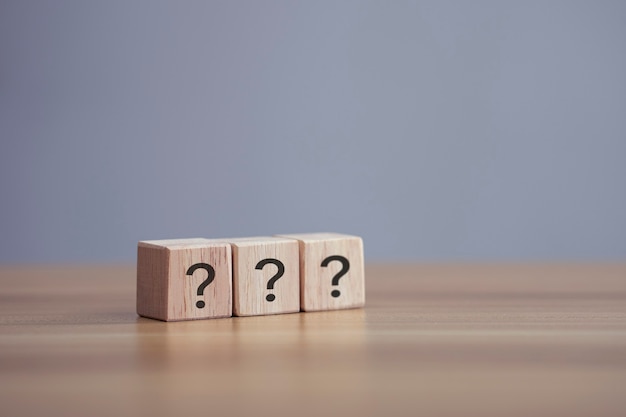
438, 131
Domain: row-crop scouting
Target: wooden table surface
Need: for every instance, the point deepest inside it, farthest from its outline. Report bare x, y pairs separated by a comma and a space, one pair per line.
433, 340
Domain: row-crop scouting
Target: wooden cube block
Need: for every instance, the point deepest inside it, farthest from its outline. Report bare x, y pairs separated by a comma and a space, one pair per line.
184, 279
266, 276
332, 273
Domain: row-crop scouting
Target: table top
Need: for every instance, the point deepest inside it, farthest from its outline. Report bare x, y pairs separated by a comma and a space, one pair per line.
485, 340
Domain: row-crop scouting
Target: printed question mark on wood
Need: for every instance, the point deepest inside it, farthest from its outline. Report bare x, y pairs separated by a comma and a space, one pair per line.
279, 273
209, 269
344, 270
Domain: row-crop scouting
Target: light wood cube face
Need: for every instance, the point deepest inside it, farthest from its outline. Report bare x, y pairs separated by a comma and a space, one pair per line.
266, 278
332, 272
184, 279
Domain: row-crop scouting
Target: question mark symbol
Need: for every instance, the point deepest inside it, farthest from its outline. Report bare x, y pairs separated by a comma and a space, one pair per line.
344, 270
209, 269
279, 273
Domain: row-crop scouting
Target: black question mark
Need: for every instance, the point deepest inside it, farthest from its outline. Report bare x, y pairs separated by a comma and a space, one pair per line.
280, 273
344, 270
206, 282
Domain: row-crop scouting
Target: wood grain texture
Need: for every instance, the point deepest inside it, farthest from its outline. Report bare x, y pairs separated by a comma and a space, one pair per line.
166, 292
320, 290
250, 280
444, 340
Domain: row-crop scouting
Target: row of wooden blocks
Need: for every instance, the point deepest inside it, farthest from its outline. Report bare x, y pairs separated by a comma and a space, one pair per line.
189, 279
